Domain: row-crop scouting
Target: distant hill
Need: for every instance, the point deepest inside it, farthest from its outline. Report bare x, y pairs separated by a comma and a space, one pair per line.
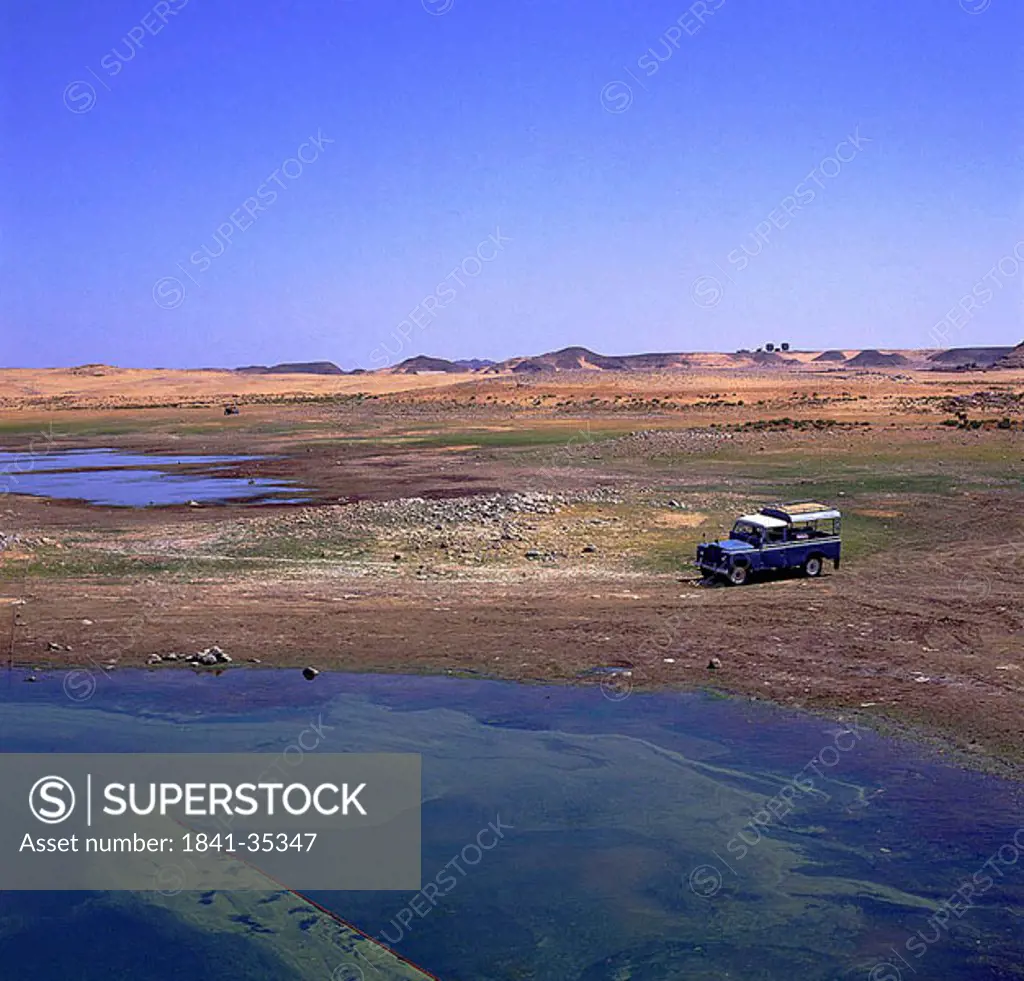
567, 359
578, 359
876, 359
95, 370
423, 362
1015, 358
981, 356
768, 357
655, 362
582, 359
293, 368
474, 364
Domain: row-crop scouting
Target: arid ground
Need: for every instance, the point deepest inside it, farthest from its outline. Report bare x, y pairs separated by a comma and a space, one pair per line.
542, 527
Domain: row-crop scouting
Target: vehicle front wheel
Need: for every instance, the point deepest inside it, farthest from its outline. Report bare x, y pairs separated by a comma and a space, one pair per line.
812, 567
738, 575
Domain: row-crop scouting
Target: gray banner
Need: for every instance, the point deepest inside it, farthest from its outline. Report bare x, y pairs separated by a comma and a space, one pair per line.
171, 823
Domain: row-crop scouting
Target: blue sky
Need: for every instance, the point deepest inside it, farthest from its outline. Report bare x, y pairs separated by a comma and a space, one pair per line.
204, 183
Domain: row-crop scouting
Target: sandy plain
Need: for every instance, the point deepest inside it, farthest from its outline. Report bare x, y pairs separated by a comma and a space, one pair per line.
538, 528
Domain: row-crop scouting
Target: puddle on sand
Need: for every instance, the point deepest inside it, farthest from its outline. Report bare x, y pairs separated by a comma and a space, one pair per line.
643, 839
122, 479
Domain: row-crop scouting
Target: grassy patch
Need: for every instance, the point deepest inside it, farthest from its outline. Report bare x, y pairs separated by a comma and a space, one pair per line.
300, 548
509, 438
81, 563
864, 536
670, 556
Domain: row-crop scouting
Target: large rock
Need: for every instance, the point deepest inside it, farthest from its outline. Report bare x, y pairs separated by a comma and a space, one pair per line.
1015, 359
209, 657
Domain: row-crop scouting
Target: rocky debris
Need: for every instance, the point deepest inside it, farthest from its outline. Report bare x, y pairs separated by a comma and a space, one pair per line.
207, 658
714, 664
477, 508
51, 646
787, 424
664, 442
431, 535
309, 673
7, 541
983, 401
536, 554
498, 511
589, 549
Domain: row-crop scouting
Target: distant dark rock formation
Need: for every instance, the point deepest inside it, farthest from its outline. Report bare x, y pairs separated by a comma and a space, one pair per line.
474, 364
876, 359
293, 368
571, 358
423, 362
830, 356
94, 370
306, 368
981, 356
1015, 359
769, 357
580, 358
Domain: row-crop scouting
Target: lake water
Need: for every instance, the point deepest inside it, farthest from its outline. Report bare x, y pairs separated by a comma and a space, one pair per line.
122, 479
646, 838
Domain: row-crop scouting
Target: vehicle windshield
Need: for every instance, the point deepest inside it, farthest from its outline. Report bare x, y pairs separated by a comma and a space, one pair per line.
745, 532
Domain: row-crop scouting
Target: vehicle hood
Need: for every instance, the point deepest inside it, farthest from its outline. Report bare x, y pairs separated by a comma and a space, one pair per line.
734, 545
729, 546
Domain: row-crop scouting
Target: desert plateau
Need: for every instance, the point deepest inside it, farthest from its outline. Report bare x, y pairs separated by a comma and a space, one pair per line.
539, 525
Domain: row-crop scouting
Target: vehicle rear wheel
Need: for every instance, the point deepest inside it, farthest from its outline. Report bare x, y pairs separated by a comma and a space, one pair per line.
812, 566
738, 575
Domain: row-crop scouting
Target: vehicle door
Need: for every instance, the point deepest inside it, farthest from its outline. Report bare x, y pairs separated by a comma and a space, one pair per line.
775, 549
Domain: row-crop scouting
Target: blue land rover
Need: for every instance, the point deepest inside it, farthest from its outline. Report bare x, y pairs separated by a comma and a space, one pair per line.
804, 536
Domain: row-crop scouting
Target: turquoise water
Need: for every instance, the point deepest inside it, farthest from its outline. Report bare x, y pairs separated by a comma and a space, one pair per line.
122, 479
651, 838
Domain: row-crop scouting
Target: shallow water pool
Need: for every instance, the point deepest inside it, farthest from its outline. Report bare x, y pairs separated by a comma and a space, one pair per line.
122, 479
653, 838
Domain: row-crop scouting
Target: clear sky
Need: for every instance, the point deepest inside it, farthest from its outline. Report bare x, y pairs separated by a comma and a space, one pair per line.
212, 183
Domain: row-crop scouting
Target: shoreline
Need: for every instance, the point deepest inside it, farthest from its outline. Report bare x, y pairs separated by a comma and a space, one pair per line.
941, 747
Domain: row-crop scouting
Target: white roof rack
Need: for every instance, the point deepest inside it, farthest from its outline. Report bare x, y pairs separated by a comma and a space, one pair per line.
815, 516
802, 512
763, 521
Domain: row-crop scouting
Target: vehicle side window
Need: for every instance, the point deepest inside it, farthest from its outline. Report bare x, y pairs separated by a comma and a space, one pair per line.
773, 536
